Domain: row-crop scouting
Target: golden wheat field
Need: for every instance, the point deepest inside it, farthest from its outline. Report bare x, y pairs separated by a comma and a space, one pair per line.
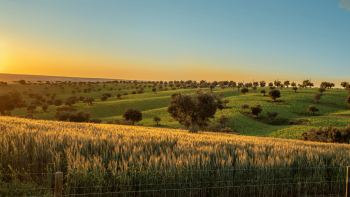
120, 159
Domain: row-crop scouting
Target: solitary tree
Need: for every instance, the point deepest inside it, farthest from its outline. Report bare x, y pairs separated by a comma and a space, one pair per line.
44, 107
154, 90
104, 98
277, 83
262, 84
254, 88
286, 83
295, 89
212, 86
317, 97
256, 110
225, 101
274, 94
321, 89
293, 84
244, 90
222, 85
263, 91
57, 102
132, 114
22, 82
194, 112
223, 120
156, 119
244, 106
343, 84
31, 108
313, 109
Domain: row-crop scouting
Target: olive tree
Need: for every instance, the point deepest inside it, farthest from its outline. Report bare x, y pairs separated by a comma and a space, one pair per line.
156, 119
317, 97
223, 120
274, 94
244, 106
244, 90
263, 91
321, 89
295, 89
313, 109
256, 110
194, 112
132, 114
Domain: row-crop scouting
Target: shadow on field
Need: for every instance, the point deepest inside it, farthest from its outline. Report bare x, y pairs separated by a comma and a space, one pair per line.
277, 102
277, 121
325, 104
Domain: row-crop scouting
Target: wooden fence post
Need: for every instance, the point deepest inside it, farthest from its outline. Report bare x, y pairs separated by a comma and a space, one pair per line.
58, 184
348, 182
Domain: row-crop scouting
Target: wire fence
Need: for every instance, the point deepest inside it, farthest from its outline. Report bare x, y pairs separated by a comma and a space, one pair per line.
267, 182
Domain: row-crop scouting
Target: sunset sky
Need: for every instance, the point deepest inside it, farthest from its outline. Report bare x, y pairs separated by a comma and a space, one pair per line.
177, 40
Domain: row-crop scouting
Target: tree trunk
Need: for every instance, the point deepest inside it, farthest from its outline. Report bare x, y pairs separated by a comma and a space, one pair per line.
194, 128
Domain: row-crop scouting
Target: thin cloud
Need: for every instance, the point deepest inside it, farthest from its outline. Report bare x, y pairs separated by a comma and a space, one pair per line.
344, 4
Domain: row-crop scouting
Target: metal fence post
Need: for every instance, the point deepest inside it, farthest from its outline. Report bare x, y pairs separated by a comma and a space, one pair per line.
348, 182
58, 184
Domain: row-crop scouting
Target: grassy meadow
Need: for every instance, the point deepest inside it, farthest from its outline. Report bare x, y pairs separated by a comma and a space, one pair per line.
291, 107
119, 160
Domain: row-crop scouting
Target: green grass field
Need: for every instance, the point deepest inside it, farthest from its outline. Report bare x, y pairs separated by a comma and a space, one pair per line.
291, 107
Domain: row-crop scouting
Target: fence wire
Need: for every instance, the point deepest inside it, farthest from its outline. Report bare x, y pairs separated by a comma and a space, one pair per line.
266, 182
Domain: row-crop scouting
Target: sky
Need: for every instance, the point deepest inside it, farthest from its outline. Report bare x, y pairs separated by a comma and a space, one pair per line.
178, 40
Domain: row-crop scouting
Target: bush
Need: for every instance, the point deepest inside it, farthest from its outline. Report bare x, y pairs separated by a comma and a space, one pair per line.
62, 113
119, 96
107, 94
29, 116
79, 116
95, 120
125, 94
133, 92
328, 134
122, 122
227, 130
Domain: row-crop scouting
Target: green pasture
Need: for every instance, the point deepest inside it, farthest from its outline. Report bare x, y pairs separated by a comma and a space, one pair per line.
292, 107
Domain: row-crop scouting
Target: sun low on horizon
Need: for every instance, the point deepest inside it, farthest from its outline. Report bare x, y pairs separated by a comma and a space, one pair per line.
177, 40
